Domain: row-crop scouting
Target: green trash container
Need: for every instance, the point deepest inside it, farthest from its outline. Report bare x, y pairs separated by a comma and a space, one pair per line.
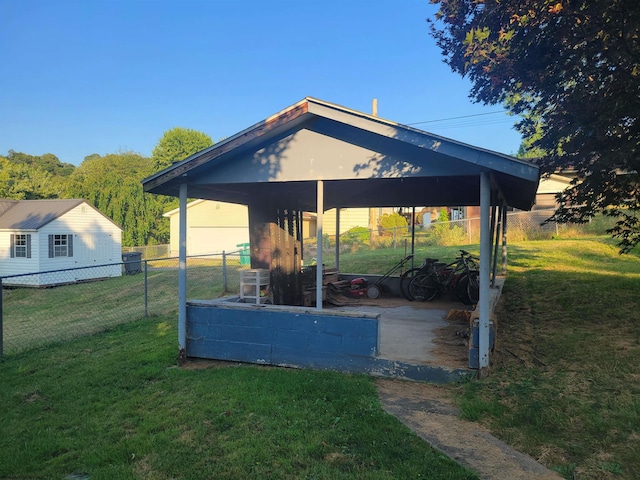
245, 256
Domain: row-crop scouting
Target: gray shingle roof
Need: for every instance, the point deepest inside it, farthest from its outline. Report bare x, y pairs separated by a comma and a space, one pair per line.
32, 214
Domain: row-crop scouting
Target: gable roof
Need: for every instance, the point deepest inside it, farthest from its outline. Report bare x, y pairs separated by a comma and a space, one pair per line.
363, 161
35, 214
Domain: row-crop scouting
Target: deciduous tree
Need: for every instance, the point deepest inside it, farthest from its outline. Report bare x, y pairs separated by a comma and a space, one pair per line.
112, 185
571, 68
177, 144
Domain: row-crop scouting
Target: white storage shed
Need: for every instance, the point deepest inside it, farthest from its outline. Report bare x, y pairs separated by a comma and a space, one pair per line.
39, 236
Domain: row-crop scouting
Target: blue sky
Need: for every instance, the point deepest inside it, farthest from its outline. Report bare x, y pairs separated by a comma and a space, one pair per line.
99, 76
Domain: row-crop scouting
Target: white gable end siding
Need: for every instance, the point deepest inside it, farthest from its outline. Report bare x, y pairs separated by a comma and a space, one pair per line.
96, 241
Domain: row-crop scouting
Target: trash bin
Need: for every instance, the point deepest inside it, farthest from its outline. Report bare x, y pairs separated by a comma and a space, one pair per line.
245, 256
132, 262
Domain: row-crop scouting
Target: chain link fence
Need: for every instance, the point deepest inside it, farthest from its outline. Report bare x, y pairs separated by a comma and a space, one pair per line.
150, 251
45, 307
521, 226
48, 307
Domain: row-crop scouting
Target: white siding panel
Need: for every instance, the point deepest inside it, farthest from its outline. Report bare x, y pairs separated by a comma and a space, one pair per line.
217, 214
17, 266
205, 240
96, 239
349, 218
211, 227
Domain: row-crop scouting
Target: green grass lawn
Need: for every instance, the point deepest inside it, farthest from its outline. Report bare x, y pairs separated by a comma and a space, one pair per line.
565, 380
564, 387
34, 317
115, 406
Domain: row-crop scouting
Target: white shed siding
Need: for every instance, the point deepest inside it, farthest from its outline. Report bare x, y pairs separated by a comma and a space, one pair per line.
349, 218
17, 266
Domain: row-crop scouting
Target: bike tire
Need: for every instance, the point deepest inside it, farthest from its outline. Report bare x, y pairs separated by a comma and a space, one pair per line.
405, 280
468, 288
424, 288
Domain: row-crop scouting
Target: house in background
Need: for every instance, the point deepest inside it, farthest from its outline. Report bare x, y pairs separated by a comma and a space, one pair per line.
213, 227
551, 186
44, 235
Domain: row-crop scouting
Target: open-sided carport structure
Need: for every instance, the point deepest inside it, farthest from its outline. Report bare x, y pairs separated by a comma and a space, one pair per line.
314, 156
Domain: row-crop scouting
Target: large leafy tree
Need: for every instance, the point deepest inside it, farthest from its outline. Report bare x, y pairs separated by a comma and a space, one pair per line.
32, 177
571, 69
177, 144
112, 184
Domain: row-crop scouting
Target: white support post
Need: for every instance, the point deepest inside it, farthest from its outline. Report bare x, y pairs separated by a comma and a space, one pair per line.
320, 211
485, 269
182, 276
337, 239
504, 239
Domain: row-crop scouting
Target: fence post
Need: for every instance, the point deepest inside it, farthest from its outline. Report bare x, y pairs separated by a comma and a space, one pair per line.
146, 290
1, 322
395, 236
224, 272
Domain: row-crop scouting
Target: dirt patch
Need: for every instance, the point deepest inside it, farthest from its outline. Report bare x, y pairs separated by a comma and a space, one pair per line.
427, 410
451, 343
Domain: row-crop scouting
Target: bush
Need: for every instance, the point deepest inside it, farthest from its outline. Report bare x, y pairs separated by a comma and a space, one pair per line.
393, 223
357, 235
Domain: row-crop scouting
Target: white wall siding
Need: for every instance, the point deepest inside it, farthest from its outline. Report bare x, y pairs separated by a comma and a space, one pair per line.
349, 218
17, 266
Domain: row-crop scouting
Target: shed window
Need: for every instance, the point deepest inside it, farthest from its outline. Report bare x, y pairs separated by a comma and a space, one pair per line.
60, 246
20, 245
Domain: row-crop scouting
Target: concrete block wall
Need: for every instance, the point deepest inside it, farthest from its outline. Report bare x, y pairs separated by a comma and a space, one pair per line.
290, 336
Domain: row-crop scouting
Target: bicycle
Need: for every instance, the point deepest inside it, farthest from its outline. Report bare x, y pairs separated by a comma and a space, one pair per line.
460, 277
406, 277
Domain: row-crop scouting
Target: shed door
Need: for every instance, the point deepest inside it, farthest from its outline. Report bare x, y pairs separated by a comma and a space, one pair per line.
92, 250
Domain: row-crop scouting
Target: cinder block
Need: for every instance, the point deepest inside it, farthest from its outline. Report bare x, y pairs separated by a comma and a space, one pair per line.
324, 342
292, 338
362, 346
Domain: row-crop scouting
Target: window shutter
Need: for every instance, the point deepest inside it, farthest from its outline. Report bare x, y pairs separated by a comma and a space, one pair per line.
70, 245
29, 246
13, 245
50, 246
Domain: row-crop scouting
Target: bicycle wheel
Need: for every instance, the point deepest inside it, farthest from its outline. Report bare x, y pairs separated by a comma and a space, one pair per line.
468, 288
424, 287
405, 280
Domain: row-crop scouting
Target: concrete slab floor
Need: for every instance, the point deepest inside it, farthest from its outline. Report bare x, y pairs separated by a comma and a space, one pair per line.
419, 333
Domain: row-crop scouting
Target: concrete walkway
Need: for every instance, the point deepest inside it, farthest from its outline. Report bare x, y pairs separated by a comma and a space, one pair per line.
426, 409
